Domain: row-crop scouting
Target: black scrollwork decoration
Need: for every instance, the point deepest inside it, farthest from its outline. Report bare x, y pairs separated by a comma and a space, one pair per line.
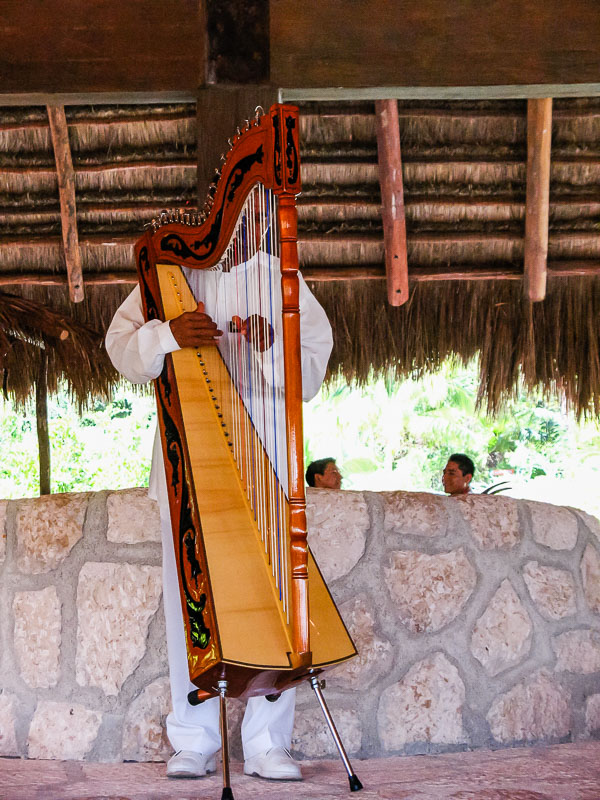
201, 249
291, 153
199, 632
186, 536
241, 169
277, 154
150, 302
165, 384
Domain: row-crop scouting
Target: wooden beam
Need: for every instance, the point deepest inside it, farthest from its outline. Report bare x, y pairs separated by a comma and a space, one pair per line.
466, 272
326, 273
415, 44
132, 47
537, 204
92, 279
561, 239
66, 191
392, 201
170, 163
117, 119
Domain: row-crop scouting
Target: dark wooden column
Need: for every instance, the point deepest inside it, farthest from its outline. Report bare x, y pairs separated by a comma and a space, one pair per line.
220, 110
236, 78
41, 413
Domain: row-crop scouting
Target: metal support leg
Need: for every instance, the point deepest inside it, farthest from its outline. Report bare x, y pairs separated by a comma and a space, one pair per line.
355, 784
227, 793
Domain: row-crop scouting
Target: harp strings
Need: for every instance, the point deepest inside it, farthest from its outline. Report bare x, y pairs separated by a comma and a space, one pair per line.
246, 300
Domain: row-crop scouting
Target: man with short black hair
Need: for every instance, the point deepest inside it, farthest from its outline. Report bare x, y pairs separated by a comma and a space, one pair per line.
458, 474
324, 474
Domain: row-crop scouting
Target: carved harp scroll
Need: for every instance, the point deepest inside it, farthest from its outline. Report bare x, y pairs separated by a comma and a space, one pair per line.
232, 482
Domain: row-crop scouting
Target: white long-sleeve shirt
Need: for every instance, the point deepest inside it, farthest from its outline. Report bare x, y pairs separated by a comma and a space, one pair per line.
137, 348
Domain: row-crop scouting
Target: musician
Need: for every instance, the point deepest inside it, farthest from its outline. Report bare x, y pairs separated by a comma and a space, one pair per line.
457, 475
137, 349
324, 474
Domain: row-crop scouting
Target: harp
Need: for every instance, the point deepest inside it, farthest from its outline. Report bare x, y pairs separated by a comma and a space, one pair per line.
258, 616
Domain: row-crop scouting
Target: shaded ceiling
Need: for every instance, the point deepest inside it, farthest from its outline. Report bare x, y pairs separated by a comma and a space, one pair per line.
464, 171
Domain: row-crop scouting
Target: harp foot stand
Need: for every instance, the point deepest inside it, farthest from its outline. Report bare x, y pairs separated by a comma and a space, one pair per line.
355, 784
227, 793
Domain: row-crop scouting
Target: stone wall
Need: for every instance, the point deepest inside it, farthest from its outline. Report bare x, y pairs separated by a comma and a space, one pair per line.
477, 622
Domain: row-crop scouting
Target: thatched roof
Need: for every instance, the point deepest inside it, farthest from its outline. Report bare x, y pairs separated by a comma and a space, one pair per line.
464, 168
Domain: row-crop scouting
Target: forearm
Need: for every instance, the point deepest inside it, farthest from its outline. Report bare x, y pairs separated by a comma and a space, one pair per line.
135, 347
316, 341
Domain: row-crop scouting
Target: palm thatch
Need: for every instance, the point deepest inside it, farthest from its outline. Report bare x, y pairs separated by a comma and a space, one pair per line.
464, 174
552, 347
74, 352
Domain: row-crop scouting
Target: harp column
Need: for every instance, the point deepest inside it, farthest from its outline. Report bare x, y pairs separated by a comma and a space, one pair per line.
288, 225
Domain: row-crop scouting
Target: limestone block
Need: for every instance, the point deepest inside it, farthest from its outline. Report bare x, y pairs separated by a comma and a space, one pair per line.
425, 706
592, 714
8, 718
591, 522
312, 739
62, 731
552, 590
590, 575
502, 635
493, 521
430, 590
337, 529
132, 517
553, 526
537, 708
416, 513
144, 731
374, 653
37, 636
3, 508
577, 651
115, 603
48, 528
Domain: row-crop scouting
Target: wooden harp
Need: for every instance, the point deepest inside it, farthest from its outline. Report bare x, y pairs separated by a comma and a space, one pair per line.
256, 609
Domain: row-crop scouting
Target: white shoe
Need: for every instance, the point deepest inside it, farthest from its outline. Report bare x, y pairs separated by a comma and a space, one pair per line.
187, 764
276, 764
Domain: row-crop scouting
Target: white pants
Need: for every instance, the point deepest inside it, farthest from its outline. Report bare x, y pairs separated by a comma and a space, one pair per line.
196, 728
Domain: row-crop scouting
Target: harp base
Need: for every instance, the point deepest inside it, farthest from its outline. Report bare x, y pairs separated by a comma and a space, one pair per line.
247, 680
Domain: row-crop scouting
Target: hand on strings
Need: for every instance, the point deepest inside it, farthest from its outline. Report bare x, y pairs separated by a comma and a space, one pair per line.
194, 328
256, 329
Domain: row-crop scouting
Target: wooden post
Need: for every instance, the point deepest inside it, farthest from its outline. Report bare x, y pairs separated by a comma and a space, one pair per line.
41, 414
66, 192
539, 135
392, 200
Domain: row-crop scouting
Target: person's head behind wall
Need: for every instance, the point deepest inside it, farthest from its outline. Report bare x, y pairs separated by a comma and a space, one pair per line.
324, 474
458, 474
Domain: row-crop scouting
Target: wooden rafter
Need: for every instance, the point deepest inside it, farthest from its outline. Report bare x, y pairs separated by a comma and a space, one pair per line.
66, 191
392, 201
326, 273
537, 205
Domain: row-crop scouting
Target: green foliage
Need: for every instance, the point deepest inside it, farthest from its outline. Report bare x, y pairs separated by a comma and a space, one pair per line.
108, 447
398, 435
388, 435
